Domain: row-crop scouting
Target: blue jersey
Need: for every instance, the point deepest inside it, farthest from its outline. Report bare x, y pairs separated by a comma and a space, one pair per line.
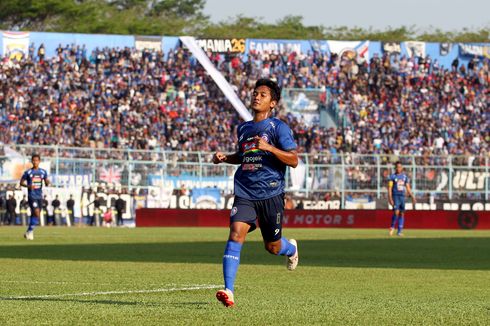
35, 179
399, 184
261, 174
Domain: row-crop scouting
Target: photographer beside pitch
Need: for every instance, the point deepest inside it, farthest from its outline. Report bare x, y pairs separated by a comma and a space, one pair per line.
265, 148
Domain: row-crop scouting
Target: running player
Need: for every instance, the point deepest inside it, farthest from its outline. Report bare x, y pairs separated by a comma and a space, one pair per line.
398, 184
33, 179
265, 148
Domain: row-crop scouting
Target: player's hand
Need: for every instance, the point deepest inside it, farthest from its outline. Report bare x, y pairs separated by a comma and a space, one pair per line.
414, 201
219, 157
390, 201
261, 144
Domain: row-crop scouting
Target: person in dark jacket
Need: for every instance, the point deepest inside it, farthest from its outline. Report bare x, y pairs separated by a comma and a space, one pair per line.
120, 205
11, 205
70, 206
56, 210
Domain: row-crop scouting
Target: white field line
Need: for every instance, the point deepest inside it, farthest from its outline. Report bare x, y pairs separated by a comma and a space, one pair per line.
88, 294
51, 282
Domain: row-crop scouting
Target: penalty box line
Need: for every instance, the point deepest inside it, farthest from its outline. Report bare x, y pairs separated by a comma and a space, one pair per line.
87, 294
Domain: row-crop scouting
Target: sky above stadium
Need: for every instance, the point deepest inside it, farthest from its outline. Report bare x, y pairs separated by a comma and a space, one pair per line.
451, 15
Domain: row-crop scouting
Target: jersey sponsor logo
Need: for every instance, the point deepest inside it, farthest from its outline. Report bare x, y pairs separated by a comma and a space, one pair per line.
251, 166
252, 159
37, 182
400, 185
250, 147
273, 184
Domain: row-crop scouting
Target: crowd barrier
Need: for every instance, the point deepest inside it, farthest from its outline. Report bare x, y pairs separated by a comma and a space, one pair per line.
154, 217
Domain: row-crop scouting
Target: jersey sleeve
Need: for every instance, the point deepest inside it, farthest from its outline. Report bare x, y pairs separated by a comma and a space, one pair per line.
285, 137
238, 135
390, 180
25, 176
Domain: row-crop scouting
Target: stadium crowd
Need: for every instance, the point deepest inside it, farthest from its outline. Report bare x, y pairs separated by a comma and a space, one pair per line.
125, 98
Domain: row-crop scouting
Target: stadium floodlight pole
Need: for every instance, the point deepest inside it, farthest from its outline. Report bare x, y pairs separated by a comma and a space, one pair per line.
218, 78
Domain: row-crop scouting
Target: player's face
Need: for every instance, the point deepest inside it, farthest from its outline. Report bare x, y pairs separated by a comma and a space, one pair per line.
35, 162
262, 100
399, 168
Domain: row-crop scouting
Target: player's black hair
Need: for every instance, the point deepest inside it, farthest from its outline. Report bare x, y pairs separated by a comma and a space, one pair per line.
272, 85
36, 155
398, 162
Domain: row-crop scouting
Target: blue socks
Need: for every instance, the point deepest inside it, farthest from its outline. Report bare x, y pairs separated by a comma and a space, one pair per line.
231, 261
401, 220
31, 224
287, 249
393, 220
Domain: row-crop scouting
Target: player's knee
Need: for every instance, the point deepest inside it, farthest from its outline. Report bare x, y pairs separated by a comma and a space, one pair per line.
236, 237
273, 248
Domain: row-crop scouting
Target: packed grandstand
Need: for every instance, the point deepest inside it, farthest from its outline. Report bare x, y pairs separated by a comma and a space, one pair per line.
148, 99
101, 110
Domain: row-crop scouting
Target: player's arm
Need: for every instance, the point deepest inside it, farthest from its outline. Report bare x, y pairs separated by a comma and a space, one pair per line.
390, 192
23, 182
287, 157
47, 183
220, 157
410, 193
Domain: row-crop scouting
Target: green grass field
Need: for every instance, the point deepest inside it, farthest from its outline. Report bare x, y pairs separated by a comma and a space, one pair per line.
160, 276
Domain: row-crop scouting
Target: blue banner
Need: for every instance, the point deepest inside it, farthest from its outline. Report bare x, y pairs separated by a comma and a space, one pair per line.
480, 50
212, 195
278, 46
91, 41
444, 53
190, 182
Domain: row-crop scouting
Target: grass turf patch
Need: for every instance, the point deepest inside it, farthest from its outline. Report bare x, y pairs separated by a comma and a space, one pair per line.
345, 276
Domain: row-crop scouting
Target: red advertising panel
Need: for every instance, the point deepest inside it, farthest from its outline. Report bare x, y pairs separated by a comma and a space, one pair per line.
321, 218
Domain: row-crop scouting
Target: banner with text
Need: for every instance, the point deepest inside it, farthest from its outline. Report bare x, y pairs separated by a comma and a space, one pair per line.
318, 219
15, 44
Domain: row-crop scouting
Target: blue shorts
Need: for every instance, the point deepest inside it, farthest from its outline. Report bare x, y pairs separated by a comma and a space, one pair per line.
269, 213
35, 204
399, 203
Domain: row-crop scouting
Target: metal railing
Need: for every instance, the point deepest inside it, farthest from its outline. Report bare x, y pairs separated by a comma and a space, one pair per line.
341, 175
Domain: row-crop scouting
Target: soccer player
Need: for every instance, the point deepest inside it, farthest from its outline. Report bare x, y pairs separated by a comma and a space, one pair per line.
398, 184
33, 179
265, 148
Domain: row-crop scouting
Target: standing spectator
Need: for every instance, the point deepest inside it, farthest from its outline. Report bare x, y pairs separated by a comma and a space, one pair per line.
70, 206
96, 215
2, 209
41, 52
56, 210
24, 204
44, 212
120, 205
11, 205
